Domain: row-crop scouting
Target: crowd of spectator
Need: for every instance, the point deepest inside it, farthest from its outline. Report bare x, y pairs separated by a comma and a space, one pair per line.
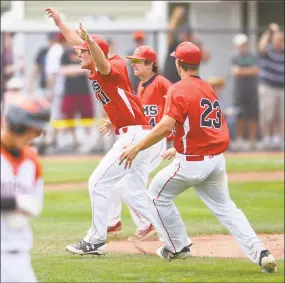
256, 117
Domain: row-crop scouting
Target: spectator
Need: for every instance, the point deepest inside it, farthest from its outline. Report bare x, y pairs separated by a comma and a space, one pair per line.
7, 61
245, 70
185, 33
139, 39
39, 71
271, 48
76, 95
55, 81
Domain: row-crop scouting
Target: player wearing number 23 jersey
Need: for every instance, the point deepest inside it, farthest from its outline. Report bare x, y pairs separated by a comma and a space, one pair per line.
201, 128
201, 138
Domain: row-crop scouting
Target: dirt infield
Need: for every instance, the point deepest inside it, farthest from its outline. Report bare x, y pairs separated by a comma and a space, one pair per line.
223, 246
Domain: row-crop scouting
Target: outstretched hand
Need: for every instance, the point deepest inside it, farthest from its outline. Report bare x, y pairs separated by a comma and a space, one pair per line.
129, 155
53, 13
169, 154
82, 32
106, 128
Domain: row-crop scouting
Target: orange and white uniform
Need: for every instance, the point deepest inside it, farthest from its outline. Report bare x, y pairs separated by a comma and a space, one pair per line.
19, 176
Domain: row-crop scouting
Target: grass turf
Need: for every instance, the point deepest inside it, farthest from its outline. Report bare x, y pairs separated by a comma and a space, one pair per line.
62, 171
67, 216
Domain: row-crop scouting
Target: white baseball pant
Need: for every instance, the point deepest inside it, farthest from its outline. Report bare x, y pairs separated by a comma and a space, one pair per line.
119, 193
108, 173
17, 267
210, 182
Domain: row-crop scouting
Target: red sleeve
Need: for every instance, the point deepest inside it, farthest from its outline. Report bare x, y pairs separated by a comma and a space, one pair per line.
175, 105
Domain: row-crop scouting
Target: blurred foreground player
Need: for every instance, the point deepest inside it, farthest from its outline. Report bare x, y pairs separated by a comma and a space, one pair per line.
21, 185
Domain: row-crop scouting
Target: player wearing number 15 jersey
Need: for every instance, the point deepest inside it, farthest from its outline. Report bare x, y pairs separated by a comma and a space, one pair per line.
201, 138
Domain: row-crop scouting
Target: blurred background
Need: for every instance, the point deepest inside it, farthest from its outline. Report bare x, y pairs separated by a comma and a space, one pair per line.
243, 59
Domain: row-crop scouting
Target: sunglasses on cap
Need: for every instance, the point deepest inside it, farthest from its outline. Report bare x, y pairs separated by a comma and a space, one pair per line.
137, 61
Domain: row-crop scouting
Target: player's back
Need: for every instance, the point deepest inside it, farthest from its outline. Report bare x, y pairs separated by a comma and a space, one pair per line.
203, 129
115, 93
19, 175
152, 94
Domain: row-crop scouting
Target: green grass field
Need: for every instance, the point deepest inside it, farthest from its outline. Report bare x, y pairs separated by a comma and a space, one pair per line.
67, 216
61, 171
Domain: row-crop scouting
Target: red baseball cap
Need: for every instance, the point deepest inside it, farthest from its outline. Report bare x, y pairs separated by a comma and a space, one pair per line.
138, 35
144, 53
188, 53
103, 44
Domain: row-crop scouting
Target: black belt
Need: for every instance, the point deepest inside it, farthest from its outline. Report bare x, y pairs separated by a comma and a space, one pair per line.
12, 252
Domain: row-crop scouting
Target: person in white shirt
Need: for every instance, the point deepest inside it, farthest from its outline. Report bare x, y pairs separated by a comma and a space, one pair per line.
21, 184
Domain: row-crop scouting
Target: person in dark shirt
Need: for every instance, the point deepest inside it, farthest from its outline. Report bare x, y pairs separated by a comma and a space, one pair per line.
245, 69
139, 39
38, 72
76, 98
174, 38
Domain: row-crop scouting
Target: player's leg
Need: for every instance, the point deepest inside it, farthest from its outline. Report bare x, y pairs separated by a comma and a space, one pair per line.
144, 228
215, 194
17, 268
115, 209
165, 187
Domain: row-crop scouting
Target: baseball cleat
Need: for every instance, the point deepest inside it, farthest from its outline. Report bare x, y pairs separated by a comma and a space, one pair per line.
267, 262
115, 230
143, 234
84, 248
164, 253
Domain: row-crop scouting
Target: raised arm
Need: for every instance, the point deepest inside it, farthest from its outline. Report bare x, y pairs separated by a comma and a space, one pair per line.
266, 37
70, 35
175, 17
101, 62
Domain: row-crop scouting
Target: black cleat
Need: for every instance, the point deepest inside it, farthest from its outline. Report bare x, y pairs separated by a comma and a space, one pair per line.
84, 248
164, 253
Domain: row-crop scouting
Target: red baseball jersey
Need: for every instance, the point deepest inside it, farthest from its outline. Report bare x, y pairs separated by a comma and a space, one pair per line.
153, 97
201, 128
116, 95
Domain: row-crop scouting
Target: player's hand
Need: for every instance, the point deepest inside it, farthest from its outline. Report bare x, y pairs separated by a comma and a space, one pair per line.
236, 71
106, 128
129, 155
178, 12
82, 32
53, 13
169, 154
274, 28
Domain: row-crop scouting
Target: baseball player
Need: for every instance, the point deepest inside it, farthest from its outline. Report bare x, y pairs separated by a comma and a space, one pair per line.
201, 138
21, 185
152, 90
112, 88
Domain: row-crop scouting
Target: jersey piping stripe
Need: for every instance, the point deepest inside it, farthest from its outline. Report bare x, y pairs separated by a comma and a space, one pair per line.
186, 127
157, 199
126, 100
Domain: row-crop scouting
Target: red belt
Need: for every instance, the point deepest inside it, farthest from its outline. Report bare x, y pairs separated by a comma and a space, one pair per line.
125, 129
196, 157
